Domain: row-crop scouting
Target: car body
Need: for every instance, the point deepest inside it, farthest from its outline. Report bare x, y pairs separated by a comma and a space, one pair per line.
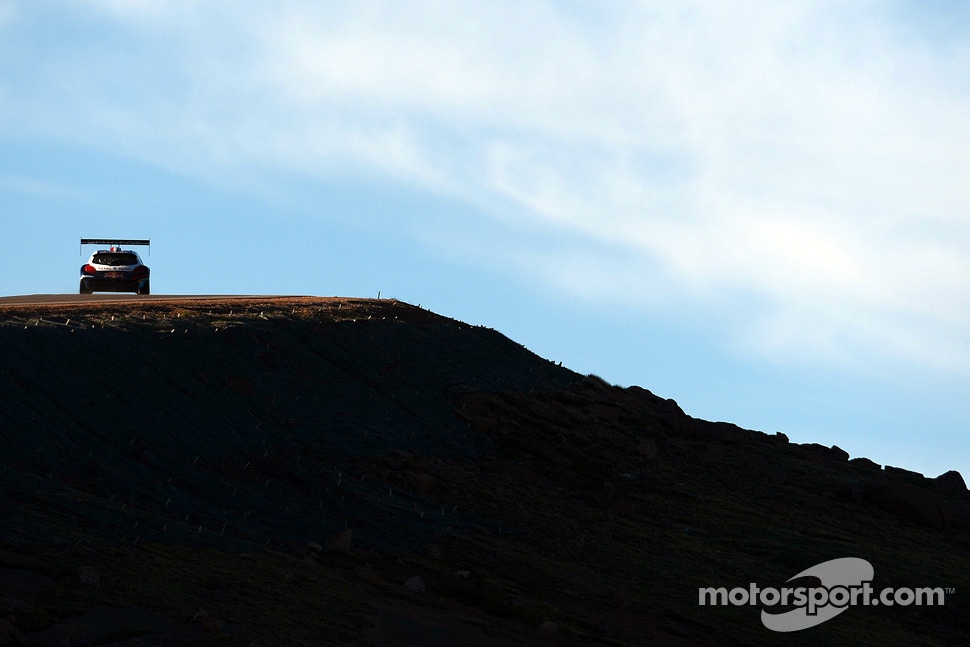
115, 270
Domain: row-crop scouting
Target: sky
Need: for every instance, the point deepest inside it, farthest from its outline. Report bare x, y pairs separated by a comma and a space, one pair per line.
758, 209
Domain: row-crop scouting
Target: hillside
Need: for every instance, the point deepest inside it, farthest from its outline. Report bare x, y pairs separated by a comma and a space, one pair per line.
309, 471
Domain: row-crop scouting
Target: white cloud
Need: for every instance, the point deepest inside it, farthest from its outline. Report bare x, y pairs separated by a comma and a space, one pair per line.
795, 169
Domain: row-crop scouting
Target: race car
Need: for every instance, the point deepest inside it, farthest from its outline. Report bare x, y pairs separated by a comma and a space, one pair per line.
114, 269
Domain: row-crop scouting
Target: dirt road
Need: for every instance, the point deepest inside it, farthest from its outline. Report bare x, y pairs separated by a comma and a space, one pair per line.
69, 299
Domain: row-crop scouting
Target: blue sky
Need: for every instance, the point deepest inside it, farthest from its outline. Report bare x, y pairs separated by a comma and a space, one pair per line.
759, 209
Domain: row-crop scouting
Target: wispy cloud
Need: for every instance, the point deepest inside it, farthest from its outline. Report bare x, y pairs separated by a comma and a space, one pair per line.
795, 170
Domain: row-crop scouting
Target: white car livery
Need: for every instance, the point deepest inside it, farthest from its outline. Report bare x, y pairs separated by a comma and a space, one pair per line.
114, 269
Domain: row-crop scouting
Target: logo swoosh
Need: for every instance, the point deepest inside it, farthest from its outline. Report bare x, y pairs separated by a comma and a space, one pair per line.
846, 571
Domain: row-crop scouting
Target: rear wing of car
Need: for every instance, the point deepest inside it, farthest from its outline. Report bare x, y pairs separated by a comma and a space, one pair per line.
117, 242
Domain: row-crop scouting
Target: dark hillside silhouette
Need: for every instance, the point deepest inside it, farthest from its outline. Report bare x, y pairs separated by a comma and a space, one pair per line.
365, 472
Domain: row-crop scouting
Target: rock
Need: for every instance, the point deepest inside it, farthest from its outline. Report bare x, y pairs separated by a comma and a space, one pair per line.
555, 457
679, 443
594, 383
839, 454
625, 507
210, 624
415, 584
10, 635
648, 449
911, 502
908, 474
951, 482
549, 627
777, 477
390, 462
422, 482
725, 432
866, 463
368, 575
343, 540
714, 452
454, 474
88, 575
821, 451
608, 413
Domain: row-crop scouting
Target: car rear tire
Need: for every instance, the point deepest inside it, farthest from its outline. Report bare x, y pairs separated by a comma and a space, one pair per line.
145, 289
86, 290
